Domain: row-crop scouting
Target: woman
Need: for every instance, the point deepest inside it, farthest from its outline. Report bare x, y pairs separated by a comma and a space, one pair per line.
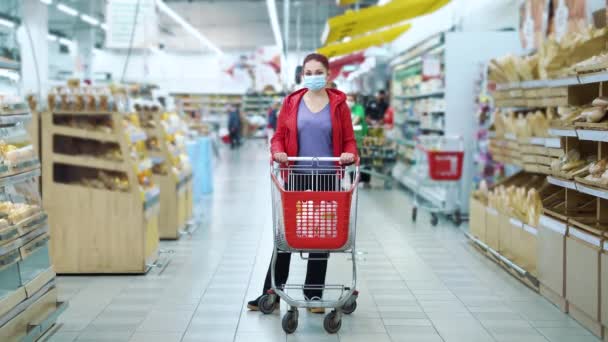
314, 122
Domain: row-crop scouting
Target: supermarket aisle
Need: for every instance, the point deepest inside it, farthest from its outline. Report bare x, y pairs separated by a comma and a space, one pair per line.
417, 283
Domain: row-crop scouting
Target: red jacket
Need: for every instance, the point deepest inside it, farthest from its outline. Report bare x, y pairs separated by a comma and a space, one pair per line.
285, 138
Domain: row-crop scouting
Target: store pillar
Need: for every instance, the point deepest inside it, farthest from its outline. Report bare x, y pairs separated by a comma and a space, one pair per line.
33, 41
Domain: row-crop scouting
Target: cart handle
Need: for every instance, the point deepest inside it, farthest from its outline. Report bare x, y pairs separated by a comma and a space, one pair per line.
320, 159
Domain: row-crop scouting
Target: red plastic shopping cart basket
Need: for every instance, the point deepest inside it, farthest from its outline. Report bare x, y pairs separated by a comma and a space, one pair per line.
316, 220
445, 165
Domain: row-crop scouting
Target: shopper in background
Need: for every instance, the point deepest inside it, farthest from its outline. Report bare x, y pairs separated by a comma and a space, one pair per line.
358, 118
359, 126
234, 126
273, 114
314, 122
376, 108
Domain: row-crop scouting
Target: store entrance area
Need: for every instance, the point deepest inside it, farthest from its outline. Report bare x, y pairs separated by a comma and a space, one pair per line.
417, 282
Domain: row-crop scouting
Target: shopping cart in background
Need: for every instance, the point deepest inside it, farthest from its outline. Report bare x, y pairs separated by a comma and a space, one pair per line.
314, 210
437, 174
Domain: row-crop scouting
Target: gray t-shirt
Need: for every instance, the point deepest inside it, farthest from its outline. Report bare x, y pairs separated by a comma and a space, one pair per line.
314, 134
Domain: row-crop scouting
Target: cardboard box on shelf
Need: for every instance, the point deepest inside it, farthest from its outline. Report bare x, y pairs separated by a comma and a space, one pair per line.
551, 251
477, 219
583, 251
493, 219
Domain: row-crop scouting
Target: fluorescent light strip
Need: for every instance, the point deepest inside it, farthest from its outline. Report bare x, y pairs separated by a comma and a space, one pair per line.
67, 10
47, 2
7, 23
52, 37
104, 26
89, 19
189, 28
274, 23
65, 41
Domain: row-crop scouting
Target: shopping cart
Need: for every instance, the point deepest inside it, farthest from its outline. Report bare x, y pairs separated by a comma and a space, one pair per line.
314, 211
437, 174
378, 156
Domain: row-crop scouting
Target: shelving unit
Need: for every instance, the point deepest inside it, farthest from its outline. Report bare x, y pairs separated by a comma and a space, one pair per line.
432, 94
28, 296
172, 170
108, 216
572, 235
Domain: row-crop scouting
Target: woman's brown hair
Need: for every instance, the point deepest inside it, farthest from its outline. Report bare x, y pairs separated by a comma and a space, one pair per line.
317, 57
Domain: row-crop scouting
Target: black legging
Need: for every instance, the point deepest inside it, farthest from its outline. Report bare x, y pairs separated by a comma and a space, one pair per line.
315, 269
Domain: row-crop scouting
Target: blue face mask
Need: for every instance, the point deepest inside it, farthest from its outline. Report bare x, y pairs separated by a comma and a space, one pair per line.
315, 82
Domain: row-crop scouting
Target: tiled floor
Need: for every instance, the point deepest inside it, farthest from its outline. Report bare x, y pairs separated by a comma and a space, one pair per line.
418, 283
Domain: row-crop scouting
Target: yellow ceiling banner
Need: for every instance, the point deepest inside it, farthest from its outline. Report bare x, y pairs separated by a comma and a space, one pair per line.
363, 42
346, 2
352, 24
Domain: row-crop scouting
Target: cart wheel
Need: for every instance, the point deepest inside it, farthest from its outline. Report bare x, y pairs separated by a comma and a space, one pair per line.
434, 219
332, 323
388, 185
290, 322
414, 214
349, 307
457, 218
266, 304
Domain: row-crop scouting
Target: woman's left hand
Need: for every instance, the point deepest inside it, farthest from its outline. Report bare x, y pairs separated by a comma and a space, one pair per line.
347, 158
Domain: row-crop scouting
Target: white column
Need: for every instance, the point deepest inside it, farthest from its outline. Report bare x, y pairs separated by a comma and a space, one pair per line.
32, 38
85, 40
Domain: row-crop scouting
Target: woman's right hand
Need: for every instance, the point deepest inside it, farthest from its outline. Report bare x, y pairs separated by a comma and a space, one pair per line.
280, 157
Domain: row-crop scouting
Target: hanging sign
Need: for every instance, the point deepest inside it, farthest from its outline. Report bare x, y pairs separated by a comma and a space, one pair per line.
533, 22
569, 16
431, 66
125, 30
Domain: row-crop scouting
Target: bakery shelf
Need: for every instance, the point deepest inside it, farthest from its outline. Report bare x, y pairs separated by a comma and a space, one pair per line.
85, 134
85, 112
174, 191
594, 135
121, 221
562, 132
89, 161
569, 184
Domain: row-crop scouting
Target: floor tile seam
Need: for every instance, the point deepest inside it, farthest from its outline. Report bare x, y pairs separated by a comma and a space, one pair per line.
415, 298
202, 296
376, 304
468, 310
80, 333
258, 244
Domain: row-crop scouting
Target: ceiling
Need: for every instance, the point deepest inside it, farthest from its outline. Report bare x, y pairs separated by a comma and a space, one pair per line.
244, 25
232, 25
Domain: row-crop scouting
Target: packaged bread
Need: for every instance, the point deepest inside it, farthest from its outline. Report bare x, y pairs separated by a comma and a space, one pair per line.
601, 101
593, 114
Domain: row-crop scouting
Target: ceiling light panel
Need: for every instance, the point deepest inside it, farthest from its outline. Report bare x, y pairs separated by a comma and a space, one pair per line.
88, 19
67, 10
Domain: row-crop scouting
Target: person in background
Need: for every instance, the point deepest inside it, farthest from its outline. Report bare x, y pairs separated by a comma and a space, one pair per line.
389, 116
358, 117
234, 126
314, 121
360, 127
273, 114
376, 108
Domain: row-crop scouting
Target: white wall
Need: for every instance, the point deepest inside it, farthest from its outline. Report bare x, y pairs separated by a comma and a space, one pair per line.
175, 72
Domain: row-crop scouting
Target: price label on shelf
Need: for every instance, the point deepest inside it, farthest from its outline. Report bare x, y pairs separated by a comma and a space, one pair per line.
431, 66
